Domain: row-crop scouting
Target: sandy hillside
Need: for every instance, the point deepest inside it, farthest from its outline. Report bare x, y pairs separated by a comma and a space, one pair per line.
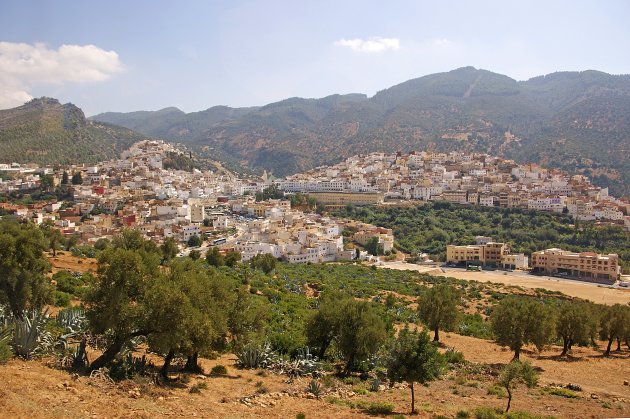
34, 390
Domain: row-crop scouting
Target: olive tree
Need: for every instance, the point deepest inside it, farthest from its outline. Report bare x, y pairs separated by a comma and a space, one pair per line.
514, 373
414, 358
437, 308
23, 284
361, 332
518, 321
322, 328
116, 303
614, 323
186, 311
576, 324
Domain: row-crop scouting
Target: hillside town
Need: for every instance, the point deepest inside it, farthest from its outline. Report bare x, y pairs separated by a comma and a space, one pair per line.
219, 208
137, 192
467, 179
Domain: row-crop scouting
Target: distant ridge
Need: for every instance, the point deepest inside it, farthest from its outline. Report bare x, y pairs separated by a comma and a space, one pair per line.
46, 132
577, 121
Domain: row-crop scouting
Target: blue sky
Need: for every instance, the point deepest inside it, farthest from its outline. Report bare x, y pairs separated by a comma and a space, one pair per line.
145, 55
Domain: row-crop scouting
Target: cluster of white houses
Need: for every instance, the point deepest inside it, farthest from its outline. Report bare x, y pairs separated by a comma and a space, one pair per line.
462, 178
582, 265
138, 191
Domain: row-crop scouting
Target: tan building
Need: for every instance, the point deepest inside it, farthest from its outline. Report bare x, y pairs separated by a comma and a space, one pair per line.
385, 237
582, 265
486, 254
345, 198
456, 197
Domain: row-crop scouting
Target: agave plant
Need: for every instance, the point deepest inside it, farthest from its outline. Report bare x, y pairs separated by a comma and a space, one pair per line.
29, 335
375, 385
255, 356
315, 388
72, 320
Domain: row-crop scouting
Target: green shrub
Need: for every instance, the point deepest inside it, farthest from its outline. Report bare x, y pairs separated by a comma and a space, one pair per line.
462, 414
380, 408
351, 380
5, 351
474, 325
497, 390
454, 357
66, 282
487, 413
196, 388
300, 415
562, 392
218, 370
62, 299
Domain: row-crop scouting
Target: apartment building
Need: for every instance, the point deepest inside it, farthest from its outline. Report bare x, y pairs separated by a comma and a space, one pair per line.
344, 198
490, 253
583, 265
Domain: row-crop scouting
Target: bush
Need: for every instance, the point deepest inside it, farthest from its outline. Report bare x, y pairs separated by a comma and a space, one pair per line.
454, 357
562, 392
487, 413
497, 390
261, 388
5, 352
474, 325
218, 370
196, 388
462, 414
300, 415
62, 299
379, 408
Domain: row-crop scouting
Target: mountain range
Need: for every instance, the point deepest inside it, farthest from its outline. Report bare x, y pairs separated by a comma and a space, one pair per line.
576, 121
47, 132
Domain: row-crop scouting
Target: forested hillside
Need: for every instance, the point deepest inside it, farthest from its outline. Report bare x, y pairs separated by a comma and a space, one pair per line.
46, 132
577, 121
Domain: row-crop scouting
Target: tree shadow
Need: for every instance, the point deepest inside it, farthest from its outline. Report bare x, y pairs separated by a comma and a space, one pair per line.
561, 358
613, 355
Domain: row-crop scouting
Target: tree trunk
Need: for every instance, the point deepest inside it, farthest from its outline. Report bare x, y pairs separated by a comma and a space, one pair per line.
610, 341
113, 350
618, 345
436, 336
322, 349
108, 356
349, 364
167, 363
565, 346
517, 354
192, 363
509, 392
413, 400
570, 344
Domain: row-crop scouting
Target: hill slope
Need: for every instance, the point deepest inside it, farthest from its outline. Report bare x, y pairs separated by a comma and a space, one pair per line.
579, 121
46, 132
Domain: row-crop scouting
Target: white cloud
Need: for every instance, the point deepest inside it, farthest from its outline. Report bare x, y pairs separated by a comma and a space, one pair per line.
441, 43
24, 65
375, 44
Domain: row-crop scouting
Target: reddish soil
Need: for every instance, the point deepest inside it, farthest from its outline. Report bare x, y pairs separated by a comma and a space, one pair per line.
34, 390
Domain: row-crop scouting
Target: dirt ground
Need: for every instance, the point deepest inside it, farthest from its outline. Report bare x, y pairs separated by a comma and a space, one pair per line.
593, 292
34, 390
65, 261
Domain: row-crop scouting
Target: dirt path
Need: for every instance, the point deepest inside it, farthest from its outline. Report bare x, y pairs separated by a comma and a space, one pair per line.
593, 292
